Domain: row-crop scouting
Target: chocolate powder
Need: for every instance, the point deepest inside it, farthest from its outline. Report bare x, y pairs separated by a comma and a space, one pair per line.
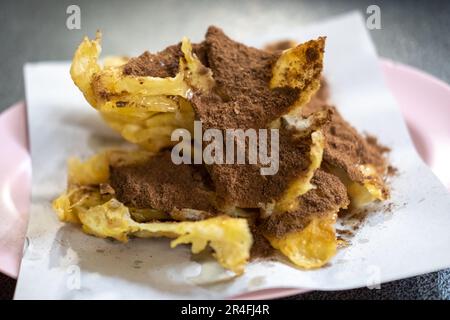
243, 185
319, 100
162, 185
329, 195
261, 248
242, 97
345, 148
162, 64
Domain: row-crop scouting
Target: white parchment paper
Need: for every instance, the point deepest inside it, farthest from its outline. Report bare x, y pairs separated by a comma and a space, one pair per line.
61, 262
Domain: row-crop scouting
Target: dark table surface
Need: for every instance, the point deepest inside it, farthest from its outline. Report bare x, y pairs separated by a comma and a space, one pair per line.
413, 32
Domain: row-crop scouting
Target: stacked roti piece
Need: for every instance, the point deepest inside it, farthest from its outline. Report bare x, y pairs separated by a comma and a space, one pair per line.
323, 164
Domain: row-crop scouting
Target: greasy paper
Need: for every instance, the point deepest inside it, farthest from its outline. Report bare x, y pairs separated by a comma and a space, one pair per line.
61, 262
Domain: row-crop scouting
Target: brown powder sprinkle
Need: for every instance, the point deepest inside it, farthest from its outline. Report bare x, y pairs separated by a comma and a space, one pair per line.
392, 171
329, 195
261, 248
242, 75
345, 148
319, 100
374, 143
243, 185
162, 64
162, 185
345, 232
353, 217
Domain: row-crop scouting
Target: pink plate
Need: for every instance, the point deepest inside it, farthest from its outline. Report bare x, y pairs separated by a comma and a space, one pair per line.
423, 99
425, 104
15, 174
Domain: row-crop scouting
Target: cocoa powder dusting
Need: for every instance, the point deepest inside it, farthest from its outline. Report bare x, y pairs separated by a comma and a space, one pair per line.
162, 185
319, 100
373, 142
261, 248
162, 64
345, 148
328, 196
242, 97
392, 171
244, 186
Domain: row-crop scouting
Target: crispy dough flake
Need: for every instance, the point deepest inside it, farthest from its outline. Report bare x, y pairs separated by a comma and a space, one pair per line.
300, 67
144, 110
311, 247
